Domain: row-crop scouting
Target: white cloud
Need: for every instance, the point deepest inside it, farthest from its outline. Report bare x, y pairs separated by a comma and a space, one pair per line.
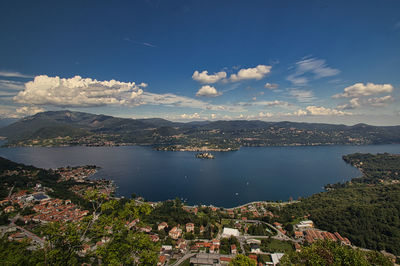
29, 110
361, 89
302, 96
319, 110
173, 100
300, 112
77, 92
11, 85
312, 67
271, 86
207, 91
203, 77
7, 111
375, 102
312, 110
190, 116
213, 116
264, 103
257, 73
262, 115
272, 103
12, 74
380, 101
80, 92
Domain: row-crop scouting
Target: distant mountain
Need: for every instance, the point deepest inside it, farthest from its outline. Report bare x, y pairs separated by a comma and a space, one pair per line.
7, 121
77, 128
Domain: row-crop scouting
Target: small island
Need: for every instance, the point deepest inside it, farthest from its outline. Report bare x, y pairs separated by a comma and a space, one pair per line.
205, 155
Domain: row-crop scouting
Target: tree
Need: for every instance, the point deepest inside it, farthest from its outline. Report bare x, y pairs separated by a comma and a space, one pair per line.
242, 260
62, 243
332, 253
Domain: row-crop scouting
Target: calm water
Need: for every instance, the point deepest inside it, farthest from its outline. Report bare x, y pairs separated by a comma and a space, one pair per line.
233, 178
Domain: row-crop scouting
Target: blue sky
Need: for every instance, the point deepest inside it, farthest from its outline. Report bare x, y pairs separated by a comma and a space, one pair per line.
313, 61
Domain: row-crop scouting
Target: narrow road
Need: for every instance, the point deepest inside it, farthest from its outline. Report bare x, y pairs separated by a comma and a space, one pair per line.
181, 260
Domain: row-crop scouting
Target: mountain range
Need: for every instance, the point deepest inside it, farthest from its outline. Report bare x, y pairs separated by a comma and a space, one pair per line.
54, 128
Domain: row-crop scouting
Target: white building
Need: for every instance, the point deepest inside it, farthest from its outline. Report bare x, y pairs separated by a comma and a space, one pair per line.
228, 232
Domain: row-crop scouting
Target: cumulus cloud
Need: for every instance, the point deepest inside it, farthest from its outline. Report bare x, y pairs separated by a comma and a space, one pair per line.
262, 115
213, 116
190, 116
207, 91
204, 77
361, 89
86, 92
302, 96
271, 86
380, 101
375, 102
319, 110
256, 73
310, 68
12, 74
77, 92
312, 110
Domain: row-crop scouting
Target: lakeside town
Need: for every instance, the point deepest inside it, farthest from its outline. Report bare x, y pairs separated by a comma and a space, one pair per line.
252, 229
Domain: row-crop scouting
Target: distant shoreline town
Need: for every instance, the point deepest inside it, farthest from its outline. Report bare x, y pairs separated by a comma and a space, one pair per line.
67, 128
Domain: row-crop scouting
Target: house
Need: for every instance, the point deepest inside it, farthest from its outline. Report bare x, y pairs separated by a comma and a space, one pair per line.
166, 247
233, 249
276, 257
18, 236
181, 244
175, 233
4, 202
304, 225
162, 225
154, 238
298, 234
9, 209
228, 232
162, 260
254, 248
132, 224
189, 227
146, 229
278, 225
216, 242
212, 249
225, 260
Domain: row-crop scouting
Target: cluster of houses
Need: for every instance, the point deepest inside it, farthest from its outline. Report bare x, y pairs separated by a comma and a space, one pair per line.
46, 209
78, 174
305, 231
253, 210
53, 210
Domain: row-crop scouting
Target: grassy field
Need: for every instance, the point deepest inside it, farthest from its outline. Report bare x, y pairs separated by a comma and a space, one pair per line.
273, 245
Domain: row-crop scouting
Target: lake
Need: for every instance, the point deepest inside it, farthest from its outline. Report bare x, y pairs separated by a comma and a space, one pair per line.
231, 179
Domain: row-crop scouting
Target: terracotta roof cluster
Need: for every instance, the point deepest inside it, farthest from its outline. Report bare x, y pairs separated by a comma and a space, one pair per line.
53, 210
312, 235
